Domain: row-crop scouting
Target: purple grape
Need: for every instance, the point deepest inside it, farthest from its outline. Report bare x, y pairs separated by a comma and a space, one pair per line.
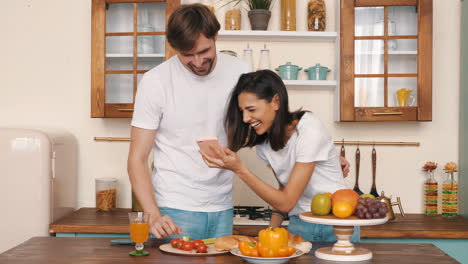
383, 211
368, 216
376, 215
361, 215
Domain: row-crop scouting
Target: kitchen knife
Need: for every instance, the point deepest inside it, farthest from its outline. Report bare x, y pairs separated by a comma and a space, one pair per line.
373, 190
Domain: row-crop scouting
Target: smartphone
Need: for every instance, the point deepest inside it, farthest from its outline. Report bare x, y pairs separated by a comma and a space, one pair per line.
205, 143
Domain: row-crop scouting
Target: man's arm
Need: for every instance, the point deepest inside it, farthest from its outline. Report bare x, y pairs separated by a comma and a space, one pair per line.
141, 143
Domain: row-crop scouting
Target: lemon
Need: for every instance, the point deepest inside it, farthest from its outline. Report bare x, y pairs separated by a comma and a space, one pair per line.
321, 204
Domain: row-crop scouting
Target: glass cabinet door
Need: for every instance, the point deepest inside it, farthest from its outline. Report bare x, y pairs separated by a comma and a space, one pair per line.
382, 41
128, 40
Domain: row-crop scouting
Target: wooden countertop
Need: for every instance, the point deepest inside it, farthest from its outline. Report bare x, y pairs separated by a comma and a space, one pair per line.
88, 220
79, 250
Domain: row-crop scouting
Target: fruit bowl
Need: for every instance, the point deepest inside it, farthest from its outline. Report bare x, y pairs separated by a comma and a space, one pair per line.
343, 249
260, 260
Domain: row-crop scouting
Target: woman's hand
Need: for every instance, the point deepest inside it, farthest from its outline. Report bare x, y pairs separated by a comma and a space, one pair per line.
344, 166
227, 159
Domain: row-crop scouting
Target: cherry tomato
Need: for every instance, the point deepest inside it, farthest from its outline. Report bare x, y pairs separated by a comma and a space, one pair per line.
174, 242
202, 248
197, 242
180, 244
188, 246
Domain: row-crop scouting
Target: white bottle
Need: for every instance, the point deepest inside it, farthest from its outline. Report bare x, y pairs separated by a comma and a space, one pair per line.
264, 62
248, 57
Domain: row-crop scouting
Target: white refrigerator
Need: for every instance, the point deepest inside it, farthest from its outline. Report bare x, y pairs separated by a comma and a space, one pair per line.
38, 182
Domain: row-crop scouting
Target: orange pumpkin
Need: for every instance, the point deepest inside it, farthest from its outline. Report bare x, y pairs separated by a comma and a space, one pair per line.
347, 195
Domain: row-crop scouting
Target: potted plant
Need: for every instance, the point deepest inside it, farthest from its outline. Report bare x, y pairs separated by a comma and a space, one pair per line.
259, 12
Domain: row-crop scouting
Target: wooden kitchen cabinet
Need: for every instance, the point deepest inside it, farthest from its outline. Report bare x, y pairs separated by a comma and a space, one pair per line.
386, 46
128, 39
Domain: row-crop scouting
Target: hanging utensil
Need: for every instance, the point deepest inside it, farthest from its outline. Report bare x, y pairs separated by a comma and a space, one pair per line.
374, 168
358, 161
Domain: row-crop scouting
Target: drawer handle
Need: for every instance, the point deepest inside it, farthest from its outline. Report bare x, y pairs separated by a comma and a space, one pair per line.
389, 113
125, 110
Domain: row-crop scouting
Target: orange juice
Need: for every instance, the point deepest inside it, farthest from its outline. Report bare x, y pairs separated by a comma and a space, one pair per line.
139, 232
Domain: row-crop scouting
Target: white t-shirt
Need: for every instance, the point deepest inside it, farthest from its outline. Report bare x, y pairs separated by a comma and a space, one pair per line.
183, 107
311, 142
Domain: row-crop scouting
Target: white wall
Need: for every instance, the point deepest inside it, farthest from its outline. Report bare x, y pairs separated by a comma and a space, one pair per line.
45, 82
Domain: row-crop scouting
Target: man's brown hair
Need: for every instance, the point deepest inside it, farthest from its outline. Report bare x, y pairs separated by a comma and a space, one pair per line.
186, 24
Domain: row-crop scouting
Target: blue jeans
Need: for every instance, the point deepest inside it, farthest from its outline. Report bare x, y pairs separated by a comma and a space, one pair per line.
200, 225
316, 232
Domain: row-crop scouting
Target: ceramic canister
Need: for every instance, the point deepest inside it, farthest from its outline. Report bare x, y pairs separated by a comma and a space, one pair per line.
317, 72
288, 71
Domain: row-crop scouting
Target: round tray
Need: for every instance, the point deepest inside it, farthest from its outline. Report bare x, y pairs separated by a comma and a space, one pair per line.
333, 220
343, 249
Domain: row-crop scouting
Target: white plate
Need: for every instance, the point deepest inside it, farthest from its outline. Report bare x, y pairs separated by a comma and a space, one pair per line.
259, 260
210, 250
333, 220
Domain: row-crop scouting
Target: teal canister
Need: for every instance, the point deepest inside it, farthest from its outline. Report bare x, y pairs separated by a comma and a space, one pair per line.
317, 72
288, 71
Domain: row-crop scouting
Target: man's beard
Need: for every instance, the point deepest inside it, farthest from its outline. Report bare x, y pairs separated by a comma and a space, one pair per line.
209, 61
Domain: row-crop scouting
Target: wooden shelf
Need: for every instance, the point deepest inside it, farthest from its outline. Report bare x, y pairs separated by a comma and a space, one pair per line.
269, 35
129, 55
309, 83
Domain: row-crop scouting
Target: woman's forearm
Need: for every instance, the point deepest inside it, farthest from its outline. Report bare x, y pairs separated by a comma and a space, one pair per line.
276, 220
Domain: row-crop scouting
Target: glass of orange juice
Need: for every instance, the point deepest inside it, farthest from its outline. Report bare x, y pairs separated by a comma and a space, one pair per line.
139, 232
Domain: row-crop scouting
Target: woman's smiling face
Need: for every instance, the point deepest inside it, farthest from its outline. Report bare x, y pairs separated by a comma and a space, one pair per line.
258, 113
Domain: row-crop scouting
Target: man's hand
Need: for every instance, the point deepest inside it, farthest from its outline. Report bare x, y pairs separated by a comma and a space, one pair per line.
344, 166
163, 226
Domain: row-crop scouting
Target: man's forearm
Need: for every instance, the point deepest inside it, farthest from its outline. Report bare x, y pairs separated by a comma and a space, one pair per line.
142, 185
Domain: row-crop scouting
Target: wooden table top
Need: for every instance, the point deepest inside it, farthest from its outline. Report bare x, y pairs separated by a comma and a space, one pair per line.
89, 250
88, 220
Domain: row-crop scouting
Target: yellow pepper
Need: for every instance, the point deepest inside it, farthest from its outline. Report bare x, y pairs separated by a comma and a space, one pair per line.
271, 241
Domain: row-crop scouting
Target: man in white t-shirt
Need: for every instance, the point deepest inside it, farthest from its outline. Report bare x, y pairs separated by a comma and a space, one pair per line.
177, 102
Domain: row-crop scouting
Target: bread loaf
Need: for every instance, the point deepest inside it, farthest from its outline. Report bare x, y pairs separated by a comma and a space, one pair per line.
298, 242
230, 242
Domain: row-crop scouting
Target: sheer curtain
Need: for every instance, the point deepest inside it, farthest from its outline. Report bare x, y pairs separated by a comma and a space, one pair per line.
369, 57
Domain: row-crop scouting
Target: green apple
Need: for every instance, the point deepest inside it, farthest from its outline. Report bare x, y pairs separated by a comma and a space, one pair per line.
321, 204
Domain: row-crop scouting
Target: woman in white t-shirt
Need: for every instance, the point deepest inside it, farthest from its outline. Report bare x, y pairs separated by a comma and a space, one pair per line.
296, 145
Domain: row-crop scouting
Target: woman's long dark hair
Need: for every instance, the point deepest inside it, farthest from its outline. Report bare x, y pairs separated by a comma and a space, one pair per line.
265, 84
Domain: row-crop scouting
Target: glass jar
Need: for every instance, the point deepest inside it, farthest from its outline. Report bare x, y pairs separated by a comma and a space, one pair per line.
316, 15
288, 15
264, 62
450, 196
247, 56
232, 18
106, 194
431, 195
